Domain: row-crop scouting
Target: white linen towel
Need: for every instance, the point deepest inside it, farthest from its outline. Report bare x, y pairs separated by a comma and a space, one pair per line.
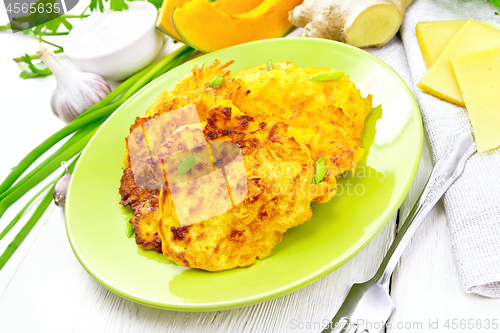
472, 204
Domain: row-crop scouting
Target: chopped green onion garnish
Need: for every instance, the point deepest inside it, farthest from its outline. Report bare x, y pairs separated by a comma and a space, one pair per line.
320, 171
185, 165
217, 81
269, 65
211, 0
328, 76
130, 229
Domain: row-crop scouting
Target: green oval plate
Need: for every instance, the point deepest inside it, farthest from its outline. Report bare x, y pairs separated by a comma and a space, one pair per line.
392, 140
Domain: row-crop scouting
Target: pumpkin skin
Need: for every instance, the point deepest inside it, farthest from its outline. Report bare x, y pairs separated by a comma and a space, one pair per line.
164, 21
206, 28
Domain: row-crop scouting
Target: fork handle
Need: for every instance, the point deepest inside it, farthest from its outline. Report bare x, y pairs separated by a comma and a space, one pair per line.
446, 171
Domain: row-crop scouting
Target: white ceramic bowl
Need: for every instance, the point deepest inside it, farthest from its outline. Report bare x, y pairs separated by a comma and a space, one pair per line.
124, 60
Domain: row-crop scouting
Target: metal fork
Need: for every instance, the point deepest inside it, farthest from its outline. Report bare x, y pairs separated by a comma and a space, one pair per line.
368, 305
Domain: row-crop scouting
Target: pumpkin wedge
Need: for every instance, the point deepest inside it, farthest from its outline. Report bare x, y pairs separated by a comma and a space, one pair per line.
236, 6
206, 28
164, 21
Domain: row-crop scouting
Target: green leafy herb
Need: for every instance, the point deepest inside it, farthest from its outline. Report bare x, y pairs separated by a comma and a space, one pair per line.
156, 3
269, 65
496, 13
211, 0
45, 11
27, 73
117, 5
12, 26
185, 165
130, 229
30, 70
48, 22
49, 28
95, 4
320, 171
56, 23
35, 56
328, 76
217, 82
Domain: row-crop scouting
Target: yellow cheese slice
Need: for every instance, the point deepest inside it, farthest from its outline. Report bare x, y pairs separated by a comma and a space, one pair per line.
478, 76
473, 37
433, 36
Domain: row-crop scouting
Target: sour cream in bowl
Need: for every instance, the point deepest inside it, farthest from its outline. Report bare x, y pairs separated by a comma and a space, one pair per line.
115, 44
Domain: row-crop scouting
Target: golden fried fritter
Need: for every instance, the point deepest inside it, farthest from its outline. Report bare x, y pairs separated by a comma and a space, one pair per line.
278, 177
195, 90
326, 116
245, 74
144, 204
283, 123
190, 90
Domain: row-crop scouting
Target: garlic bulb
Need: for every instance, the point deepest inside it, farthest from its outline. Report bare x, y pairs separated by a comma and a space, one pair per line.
76, 91
61, 188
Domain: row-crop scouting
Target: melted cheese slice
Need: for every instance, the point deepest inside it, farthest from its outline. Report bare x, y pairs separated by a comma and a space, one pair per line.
433, 36
440, 80
478, 75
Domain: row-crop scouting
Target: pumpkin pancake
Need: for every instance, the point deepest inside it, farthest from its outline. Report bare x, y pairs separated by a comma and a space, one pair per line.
254, 146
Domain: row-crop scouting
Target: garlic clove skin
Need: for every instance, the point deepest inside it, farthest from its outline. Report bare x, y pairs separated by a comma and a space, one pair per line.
75, 92
61, 188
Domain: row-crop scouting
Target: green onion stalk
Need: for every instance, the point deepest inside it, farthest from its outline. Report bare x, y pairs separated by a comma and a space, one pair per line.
83, 128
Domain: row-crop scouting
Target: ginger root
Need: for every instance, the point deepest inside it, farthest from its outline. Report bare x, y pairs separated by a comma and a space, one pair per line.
361, 23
